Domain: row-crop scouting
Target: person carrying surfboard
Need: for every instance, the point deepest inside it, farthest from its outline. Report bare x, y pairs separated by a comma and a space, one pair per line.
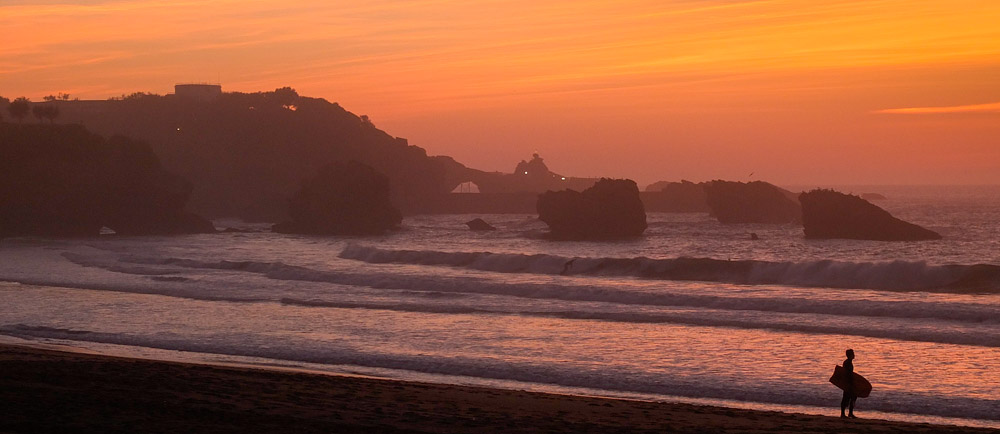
852, 383
849, 394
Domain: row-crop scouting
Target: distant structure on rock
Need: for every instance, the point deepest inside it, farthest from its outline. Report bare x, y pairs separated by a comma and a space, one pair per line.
342, 199
535, 168
532, 176
610, 209
831, 214
752, 202
201, 92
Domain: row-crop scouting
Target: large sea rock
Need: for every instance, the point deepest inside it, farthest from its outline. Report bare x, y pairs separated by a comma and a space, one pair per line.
62, 180
342, 199
752, 202
610, 209
683, 196
831, 214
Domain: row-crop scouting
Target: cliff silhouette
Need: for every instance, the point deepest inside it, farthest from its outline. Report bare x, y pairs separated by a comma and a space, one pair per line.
246, 153
62, 180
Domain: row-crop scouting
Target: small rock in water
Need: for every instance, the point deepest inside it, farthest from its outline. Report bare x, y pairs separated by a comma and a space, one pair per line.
479, 224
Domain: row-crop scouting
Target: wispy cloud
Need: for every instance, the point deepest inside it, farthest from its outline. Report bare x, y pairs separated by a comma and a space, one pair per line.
970, 108
395, 55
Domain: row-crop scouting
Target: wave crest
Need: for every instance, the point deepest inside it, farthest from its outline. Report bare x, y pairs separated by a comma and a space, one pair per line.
893, 276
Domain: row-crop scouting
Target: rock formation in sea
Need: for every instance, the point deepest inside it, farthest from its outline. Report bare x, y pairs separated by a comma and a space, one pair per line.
478, 224
683, 196
610, 209
348, 198
62, 180
831, 214
752, 202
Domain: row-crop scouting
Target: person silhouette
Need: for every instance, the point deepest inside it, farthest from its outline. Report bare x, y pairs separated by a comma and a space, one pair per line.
849, 396
565, 269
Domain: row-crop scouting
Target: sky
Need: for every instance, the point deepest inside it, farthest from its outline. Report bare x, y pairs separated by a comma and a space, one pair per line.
796, 92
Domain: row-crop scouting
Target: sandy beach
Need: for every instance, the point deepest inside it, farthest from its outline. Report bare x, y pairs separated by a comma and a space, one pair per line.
44, 390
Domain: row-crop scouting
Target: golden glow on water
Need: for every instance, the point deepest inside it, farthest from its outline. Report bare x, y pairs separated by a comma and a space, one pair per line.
512, 320
654, 358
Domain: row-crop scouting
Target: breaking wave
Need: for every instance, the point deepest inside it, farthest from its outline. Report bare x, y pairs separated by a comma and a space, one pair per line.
891, 276
442, 286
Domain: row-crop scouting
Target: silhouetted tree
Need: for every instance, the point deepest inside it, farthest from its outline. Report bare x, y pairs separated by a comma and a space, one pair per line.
285, 96
19, 108
62, 96
134, 96
45, 111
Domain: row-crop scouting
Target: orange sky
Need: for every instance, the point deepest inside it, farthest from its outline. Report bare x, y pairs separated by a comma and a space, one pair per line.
796, 91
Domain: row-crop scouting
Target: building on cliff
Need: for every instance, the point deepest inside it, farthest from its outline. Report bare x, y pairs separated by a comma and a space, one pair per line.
201, 92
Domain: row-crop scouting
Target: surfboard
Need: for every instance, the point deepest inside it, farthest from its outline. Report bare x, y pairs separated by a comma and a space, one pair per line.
862, 388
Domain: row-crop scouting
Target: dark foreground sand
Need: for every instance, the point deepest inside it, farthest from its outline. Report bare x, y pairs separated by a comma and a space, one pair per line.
51, 391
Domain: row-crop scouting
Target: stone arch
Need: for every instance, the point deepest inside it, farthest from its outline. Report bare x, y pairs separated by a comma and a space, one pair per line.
466, 187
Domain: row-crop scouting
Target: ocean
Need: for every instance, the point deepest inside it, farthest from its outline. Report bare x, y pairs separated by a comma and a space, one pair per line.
693, 311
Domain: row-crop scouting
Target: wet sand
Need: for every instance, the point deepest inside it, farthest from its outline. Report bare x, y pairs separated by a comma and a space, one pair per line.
52, 391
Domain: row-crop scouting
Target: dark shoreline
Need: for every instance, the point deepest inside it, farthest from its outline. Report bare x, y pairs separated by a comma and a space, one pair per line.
44, 390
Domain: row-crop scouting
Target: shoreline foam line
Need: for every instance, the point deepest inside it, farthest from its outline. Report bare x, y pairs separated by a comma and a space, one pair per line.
114, 353
522, 373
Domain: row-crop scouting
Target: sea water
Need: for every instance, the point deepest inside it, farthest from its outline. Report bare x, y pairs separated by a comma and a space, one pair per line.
693, 311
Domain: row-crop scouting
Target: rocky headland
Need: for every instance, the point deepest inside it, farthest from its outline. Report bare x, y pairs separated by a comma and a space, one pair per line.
62, 180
